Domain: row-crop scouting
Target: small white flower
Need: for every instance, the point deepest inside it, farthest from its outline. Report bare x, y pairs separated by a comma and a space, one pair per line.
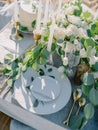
82, 33
65, 61
71, 30
92, 60
77, 45
83, 53
69, 47
74, 20
95, 75
91, 51
61, 69
59, 33
70, 10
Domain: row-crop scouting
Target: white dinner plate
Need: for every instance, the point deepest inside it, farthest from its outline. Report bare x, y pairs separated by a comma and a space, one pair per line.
26, 100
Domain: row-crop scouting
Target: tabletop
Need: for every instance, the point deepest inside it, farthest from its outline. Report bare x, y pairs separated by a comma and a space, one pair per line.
10, 107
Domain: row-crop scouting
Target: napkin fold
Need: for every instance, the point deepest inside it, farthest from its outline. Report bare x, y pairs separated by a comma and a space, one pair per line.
6, 15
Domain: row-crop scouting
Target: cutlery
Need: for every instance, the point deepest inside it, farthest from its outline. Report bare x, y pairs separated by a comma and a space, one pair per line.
81, 102
76, 95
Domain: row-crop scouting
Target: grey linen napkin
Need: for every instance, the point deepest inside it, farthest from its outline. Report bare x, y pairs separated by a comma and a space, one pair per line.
6, 15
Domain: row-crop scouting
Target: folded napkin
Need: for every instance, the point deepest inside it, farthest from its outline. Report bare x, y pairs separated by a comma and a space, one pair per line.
45, 88
6, 15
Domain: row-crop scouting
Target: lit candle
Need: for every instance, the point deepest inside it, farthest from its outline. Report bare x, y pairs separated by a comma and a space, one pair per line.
39, 16
51, 34
46, 12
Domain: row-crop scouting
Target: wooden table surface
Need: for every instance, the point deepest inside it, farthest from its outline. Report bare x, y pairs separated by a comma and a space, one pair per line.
4, 122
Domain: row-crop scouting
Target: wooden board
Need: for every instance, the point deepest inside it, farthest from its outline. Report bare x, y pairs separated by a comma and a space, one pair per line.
4, 122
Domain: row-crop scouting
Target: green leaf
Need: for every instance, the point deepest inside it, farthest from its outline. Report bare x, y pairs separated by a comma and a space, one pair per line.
41, 72
72, 37
42, 61
86, 89
96, 85
60, 41
33, 23
93, 96
52, 76
35, 66
36, 103
75, 122
95, 66
84, 122
94, 28
50, 70
88, 79
61, 52
89, 111
53, 47
89, 33
45, 53
77, 12
89, 42
22, 28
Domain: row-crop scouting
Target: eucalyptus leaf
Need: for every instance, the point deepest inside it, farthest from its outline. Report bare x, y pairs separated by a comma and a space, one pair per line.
89, 111
22, 28
35, 66
76, 122
86, 89
93, 96
89, 42
95, 66
84, 122
88, 79
50, 70
41, 72
42, 61
60, 41
45, 53
33, 23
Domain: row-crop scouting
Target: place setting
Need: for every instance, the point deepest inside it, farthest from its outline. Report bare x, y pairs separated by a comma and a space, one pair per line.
45, 94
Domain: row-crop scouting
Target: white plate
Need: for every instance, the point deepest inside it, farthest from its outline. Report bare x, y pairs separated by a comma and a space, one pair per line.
26, 100
45, 88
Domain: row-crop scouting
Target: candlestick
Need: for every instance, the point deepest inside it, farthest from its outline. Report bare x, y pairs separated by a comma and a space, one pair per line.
51, 34
39, 16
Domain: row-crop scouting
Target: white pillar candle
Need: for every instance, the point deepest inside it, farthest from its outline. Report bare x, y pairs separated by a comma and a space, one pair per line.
46, 12
51, 34
38, 21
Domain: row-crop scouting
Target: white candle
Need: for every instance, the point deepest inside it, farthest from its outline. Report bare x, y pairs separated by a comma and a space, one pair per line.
60, 4
16, 11
39, 16
51, 34
46, 12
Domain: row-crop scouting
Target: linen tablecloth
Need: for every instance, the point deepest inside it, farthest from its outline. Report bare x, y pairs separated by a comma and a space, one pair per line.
8, 105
